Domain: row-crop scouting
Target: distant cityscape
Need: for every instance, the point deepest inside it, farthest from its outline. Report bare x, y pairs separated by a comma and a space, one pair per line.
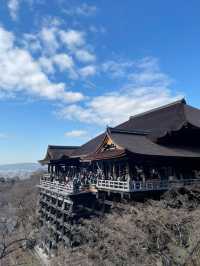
19, 170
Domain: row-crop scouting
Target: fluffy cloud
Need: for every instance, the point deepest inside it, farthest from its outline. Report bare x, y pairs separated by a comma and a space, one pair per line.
148, 73
72, 38
85, 56
52, 37
62, 61
140, 72
47, 64
31, 42
49, 39
62, 49
21, 73
143, 84
13, 6
147, 88
87, 71
76, 133
116, 107
117, 69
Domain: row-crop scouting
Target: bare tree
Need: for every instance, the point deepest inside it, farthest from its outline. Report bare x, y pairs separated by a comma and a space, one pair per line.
18, 219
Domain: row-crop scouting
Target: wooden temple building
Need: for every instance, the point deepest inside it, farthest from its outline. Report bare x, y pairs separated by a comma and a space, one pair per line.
151, 152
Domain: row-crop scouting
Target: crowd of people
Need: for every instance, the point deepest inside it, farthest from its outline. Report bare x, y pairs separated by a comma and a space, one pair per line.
79, 178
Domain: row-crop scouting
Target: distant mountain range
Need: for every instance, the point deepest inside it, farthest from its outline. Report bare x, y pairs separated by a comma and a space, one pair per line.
22, 170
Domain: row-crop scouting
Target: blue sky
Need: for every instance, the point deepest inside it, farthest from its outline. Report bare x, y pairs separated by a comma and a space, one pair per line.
69, 68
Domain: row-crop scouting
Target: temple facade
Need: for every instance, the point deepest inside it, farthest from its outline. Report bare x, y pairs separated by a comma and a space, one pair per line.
151, 152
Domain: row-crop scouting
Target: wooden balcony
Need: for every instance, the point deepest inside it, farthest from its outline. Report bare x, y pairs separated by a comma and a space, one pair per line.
111, 185
64, 189
139, 186
58, 188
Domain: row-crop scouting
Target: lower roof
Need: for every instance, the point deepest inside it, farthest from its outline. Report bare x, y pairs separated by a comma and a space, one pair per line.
140, 144
55, 153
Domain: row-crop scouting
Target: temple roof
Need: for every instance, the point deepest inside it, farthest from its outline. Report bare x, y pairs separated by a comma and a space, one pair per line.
159, 121
138, 143
58, 152
89, 147
141, 144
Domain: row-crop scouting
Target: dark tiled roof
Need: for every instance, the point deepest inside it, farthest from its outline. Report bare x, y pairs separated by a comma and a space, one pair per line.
105, 155
142, 145
159, 120
89, 147
57, 152
192, 115
165, 119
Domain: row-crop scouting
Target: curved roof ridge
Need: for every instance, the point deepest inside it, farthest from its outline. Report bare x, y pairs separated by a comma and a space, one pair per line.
128, 131
62, 147
180, 101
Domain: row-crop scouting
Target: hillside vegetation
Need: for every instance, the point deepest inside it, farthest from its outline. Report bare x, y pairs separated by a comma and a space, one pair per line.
18, 221
165, 232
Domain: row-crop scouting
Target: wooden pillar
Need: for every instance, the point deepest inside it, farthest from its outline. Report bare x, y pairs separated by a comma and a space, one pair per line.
105, 170
110, 170
114, 171
127, 171
48, 168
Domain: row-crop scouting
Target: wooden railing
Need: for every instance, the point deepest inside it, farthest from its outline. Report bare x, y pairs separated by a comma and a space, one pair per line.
57, 187
150, 185
113, 185
126, 186
46, 176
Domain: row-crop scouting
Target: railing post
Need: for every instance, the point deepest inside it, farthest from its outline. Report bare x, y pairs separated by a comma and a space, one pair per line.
129, 185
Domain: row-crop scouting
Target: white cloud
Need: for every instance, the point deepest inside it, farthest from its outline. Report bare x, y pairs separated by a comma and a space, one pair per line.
76, 133
64, 61
48, 35
87, 71
24, 74
148, 72
85, 56
82, 10
72, 38
117, 69
115, 108
13, 6
47, 64
140, 94
6, 40
59, 48
31, 42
